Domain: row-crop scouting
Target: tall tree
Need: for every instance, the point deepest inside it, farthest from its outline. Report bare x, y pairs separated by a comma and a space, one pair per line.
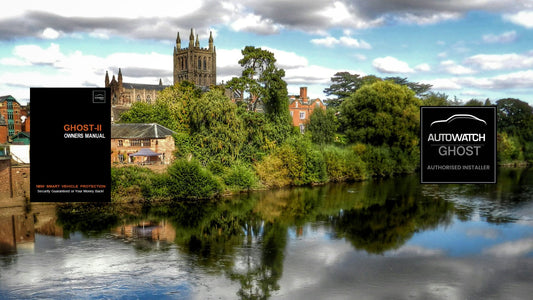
516, 118
383, 113
323, 126
419, 88
255, 63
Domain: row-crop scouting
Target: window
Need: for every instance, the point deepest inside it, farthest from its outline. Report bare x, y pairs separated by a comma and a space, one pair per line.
302, 128
138, 98
292, 113
140, 143
302, 115
149, 99
120, 143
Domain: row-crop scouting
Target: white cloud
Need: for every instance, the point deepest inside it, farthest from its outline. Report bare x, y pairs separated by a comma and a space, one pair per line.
522, 18
427, 19
50, 34
35, 55
501, 61
327, 41
285, 59
451, 67
443, 84
390, 64
255, 23
423, 67
506, 37
354, 43
511, 249
346, 41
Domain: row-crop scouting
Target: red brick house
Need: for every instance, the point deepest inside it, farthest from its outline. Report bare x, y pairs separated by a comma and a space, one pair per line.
137, 143
11, 110
301, 107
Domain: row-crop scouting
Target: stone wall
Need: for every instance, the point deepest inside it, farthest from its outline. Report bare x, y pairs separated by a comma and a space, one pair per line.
14, 180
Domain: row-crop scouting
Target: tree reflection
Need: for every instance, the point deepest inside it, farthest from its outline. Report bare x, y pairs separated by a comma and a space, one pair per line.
386, 218
245, 237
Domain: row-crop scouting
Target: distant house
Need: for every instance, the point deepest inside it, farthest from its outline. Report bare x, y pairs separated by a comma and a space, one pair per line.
141, 143
11, 111
301, 107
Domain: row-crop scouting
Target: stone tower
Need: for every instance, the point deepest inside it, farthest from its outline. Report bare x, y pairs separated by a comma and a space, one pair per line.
195, 64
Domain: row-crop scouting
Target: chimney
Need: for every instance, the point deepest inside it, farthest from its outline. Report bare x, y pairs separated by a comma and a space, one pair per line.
303, 93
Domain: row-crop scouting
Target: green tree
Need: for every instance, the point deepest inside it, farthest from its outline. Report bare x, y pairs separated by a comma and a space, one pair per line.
216, 129
171, 109
343, 84
420, 89
474, 102
322, 126
383, 113
435, 99
255, 63
515, 117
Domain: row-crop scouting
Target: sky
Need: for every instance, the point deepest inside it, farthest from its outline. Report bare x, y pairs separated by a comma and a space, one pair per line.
475, 49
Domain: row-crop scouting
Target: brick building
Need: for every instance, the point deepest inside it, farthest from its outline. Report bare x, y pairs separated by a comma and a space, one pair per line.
11, 111
129, 139
301, 107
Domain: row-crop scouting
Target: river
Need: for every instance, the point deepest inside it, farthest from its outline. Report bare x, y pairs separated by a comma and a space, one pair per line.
386, 239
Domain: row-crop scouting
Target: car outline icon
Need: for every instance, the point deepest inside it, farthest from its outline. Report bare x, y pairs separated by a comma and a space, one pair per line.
459, 116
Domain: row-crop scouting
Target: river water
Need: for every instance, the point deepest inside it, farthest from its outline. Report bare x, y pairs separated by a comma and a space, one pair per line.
389, 239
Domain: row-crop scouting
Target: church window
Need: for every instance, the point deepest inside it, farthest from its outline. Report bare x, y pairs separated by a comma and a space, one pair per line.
199, 63
205, 64
138, 98
149, 99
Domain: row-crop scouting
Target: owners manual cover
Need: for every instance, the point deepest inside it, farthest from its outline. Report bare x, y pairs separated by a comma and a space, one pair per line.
71, 145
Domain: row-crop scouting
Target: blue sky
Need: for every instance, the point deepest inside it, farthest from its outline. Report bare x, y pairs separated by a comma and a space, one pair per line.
466, 49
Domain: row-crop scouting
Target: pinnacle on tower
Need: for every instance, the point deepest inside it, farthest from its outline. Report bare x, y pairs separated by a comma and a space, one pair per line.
197, 43
119, 76
191, 39
106, 79
178, 41
210, 40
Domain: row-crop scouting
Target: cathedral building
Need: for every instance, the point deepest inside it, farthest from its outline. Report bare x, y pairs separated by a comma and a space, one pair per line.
195, 64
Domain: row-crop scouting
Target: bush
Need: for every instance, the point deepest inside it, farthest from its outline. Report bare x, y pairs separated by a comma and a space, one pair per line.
138, 182
240, 176
379, 161
296, 162
344, 164
187, 179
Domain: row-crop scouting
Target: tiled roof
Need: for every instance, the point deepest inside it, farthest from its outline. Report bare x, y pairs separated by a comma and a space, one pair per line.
142, 86
4, 98
139, 131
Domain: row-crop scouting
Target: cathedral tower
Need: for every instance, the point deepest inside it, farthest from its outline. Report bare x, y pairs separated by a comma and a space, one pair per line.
195, 64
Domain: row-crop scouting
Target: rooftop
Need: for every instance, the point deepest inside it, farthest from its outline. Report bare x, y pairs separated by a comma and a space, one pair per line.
139, 131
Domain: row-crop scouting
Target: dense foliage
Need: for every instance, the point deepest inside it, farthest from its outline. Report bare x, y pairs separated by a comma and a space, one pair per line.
370, 130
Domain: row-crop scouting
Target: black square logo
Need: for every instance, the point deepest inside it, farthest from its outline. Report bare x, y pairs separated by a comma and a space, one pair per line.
458, 144
99, 96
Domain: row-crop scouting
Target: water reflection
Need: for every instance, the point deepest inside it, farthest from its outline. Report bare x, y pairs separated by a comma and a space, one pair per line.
251, 239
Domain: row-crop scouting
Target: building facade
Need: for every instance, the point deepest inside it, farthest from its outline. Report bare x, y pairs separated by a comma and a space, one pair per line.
195, 64
125, 94
11, 111
301, 107
128, 139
